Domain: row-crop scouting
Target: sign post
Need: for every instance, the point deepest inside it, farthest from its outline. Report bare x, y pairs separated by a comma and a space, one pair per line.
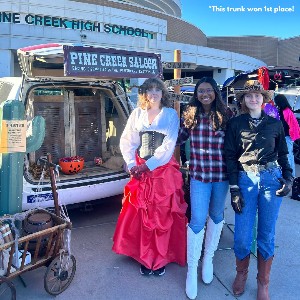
177, 97
177, 75
180, 81
179, 65
180, 98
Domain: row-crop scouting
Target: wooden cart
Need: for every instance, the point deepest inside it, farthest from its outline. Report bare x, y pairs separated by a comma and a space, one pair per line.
61, 265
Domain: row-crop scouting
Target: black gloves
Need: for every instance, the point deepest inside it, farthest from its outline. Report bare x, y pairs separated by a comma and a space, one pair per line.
137, 171
237, 201
286, 187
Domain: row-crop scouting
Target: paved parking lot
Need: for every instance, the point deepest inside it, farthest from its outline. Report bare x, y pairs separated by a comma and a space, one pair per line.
102, 274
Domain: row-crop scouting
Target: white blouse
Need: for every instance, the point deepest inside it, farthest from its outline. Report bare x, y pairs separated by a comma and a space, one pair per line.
166, 122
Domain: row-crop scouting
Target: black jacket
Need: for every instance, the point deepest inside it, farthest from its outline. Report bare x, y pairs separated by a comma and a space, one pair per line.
247, 144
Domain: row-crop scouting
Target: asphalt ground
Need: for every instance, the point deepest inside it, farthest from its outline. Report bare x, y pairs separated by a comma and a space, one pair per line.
102, 274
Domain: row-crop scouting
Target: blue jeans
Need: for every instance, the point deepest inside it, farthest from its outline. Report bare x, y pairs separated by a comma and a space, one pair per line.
290, 145
258, 191
207, 197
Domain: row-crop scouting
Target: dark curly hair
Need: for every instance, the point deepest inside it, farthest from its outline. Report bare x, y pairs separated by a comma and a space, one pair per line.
218, 115
149, 84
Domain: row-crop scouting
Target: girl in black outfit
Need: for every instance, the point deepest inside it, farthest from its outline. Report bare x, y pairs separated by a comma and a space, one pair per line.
259, 176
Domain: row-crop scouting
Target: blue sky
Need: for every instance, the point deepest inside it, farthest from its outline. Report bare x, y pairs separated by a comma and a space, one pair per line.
272, 20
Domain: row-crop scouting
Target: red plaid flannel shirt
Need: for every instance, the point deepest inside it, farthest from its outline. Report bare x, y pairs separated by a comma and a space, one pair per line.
207, 161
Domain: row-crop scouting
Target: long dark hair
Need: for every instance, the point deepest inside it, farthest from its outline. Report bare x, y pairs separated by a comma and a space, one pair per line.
218, 115
282, 102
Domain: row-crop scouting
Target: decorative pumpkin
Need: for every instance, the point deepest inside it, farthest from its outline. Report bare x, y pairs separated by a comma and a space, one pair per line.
71, 165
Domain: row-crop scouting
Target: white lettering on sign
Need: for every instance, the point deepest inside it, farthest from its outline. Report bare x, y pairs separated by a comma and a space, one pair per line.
88, 61
180, 81
179, 65
109, 60
180, 97
145, 63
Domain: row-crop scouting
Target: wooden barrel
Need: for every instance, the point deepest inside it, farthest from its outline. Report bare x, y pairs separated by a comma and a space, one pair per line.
35, 222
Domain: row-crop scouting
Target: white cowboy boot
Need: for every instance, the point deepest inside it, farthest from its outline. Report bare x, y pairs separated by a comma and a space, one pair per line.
212, 237
194, 246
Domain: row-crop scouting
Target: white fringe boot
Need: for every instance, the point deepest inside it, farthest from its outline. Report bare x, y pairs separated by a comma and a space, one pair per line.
194, 246
212, 238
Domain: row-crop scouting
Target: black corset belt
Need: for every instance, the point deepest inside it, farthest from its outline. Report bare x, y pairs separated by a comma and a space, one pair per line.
150, 141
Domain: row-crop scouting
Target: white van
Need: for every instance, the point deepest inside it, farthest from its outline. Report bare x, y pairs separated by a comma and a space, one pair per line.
85, 114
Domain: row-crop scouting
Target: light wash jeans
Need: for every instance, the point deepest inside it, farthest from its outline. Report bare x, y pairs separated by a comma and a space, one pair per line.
290, 145
207, 198
258, 191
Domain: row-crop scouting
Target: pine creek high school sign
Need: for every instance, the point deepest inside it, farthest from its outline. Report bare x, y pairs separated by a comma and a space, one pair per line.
110, 63
83, 25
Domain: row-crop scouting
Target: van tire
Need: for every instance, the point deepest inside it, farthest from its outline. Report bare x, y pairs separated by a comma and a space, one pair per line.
296, 151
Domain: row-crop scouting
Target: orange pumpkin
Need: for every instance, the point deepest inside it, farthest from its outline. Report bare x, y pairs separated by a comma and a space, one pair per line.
71, 165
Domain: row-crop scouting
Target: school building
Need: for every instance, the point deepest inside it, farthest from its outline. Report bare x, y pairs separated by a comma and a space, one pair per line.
147, 26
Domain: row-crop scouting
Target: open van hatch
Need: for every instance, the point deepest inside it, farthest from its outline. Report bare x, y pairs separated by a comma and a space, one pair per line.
80, 93
81, 120
85, 108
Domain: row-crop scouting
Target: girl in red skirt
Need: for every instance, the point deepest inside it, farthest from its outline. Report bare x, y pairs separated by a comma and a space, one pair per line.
152, 224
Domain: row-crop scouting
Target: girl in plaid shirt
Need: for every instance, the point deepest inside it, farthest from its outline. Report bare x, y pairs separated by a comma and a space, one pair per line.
204, 122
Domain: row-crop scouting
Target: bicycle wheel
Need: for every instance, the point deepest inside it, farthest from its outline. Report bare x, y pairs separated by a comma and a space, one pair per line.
59, 274
7, 289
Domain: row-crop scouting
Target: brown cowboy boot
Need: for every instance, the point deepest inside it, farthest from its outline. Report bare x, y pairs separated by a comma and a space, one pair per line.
263, 277
238, 285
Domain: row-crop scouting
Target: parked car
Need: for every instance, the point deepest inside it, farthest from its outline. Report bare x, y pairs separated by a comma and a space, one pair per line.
85, 116
187, 89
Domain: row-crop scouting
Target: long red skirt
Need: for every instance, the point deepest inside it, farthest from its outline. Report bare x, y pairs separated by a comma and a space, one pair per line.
152, 224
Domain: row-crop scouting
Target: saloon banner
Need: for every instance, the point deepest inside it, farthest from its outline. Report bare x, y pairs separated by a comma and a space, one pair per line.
110, 63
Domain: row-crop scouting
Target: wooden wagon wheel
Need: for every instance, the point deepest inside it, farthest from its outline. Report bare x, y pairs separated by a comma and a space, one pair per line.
7, 289
59, 274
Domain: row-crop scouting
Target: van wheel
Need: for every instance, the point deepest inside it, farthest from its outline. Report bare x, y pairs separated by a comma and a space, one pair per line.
296, 150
